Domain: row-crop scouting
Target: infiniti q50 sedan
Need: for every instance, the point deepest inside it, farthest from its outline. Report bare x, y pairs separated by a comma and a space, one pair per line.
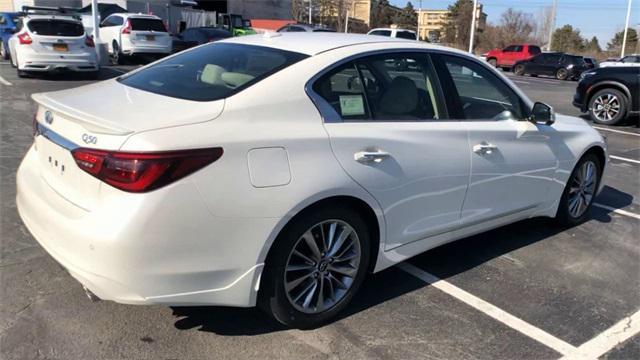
278, 170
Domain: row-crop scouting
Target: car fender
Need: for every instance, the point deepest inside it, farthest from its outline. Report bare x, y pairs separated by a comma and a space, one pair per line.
613, 83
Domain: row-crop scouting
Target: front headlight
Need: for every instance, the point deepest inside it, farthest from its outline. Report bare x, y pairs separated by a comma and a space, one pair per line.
570, 66
585, 75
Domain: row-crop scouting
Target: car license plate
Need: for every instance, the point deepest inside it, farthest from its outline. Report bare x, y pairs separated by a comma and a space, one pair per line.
150, 37
61, 47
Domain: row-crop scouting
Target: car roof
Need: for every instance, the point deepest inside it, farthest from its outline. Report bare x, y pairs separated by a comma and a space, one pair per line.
137, 15
51, 17
312, 43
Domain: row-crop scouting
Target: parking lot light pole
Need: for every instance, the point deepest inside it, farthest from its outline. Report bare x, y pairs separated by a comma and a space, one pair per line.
626, 30
310, 8
95, 15
473, 25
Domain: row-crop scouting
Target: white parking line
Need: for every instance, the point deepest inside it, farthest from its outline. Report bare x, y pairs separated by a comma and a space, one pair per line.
616, 131
4, 82
617, 211
624, 159
513, 322
609, 339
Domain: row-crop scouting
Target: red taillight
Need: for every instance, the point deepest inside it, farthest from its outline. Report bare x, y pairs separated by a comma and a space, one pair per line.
127, 28
142, 172
89, 41
24, 39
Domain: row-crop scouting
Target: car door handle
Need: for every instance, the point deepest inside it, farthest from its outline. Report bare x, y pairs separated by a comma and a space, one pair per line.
484, 148
368, 157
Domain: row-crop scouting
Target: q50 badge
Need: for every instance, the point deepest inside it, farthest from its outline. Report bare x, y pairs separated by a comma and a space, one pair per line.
88, 139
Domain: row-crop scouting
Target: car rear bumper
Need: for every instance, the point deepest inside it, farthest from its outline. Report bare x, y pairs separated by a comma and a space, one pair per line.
51, 62
163, 247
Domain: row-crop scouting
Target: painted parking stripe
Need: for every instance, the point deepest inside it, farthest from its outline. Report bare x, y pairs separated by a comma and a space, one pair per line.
513, 322
609, 339
3, 81
616, 131
617, 211
624, 159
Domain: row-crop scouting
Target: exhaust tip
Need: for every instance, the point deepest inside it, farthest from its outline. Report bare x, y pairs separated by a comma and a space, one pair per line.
93, 297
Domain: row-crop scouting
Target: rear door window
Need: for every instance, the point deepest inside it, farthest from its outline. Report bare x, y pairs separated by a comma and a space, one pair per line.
54, 27
406, 35
381, 32
139, 24
211, 72
534, 49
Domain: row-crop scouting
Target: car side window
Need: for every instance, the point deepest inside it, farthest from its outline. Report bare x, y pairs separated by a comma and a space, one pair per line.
538, 59
3, 21
342, 88
511, 48
381, 32
518, 48
296, 29
482, 95
393, 87
553, 59
534, 50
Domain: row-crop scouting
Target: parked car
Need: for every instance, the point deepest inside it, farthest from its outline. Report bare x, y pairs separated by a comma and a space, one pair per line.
629, 60
592, 63
559, 65
45, 43
507, 57
279, 170
304, 28
135, 34
8, 23
609, 94
394, 33
197, 36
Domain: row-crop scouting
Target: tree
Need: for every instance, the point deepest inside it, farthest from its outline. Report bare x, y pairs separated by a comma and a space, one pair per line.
457, 29
381, 15
567, 39
408, 18
592, 46
517, 27
616, 42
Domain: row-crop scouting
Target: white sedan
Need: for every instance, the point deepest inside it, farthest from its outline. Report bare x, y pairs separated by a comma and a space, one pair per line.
279, 170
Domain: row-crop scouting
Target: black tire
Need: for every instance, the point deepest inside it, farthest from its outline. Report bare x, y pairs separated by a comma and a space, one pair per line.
4, 53
519, 70
116, 55
92, 75
564, 216
273, 297
493, 62
598, 112
562, 74
534, 75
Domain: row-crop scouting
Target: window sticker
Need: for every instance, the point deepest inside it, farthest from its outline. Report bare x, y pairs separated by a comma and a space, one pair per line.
351, 105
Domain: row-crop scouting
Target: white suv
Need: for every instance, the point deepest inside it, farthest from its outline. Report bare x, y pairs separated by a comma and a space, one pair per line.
44, 43
129, 34
394, 32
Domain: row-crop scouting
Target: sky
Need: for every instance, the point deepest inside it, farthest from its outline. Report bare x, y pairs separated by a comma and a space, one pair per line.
601, 18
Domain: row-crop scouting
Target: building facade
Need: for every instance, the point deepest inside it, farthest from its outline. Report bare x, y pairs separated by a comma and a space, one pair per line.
432, 23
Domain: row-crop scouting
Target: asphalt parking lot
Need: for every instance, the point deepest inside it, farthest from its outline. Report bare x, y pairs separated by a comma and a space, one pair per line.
530, 290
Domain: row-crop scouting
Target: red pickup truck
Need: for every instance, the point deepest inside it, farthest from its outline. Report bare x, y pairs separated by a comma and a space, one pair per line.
505, 58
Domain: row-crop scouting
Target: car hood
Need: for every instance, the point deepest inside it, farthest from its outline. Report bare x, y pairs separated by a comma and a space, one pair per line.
109, 107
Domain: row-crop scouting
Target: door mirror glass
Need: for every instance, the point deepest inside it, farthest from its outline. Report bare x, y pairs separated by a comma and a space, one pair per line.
542, 114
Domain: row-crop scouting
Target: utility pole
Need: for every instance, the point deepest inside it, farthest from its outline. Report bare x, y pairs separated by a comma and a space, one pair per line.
626, 29
473, 25
346, 22
552, 23
95, 14
310, 9
419, 13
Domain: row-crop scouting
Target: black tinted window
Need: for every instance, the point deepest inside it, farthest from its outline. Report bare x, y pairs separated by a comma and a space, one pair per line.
518, 48
534, 50
483, 96
511, 48
211, 72
147, 25
406, 35
552, 58
295, 29
52, 27
381, 32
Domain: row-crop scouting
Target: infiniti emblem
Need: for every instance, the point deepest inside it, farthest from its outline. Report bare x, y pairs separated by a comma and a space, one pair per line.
48, 117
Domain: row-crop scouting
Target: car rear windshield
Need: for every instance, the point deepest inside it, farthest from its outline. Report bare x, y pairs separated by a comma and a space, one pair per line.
51, 27
406, 35
576, 60
212, 72
138, 24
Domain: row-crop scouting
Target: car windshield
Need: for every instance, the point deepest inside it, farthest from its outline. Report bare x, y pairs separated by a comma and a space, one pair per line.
211, 72
139, 24
53, 27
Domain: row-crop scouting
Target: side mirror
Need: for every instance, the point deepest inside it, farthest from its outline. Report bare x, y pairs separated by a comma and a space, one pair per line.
542, 114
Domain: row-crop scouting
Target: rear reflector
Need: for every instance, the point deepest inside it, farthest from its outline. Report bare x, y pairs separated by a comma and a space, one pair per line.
89, 41
127, 27
142, 172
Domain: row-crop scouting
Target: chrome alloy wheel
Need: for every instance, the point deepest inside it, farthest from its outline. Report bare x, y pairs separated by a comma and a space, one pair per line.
583, 188
322, 266
606, 107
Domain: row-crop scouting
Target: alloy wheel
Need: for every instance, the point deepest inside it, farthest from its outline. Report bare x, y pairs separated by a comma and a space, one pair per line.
582, 189
322, 266
561, 74
606, 107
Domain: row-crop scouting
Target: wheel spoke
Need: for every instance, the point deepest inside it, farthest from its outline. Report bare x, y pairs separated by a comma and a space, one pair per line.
332, 233
304, 291
293, 284
303, 256
309, 297
344, 270
344, 234
332, 295
313, 246
320, 301
298, 267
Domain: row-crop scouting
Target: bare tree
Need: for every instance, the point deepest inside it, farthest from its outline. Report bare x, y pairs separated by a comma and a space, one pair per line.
517, 26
